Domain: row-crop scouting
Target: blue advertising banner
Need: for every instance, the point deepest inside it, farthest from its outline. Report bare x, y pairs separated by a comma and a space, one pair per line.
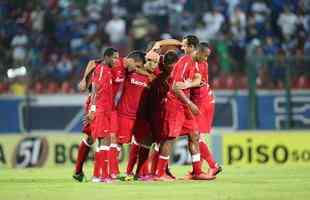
65, 112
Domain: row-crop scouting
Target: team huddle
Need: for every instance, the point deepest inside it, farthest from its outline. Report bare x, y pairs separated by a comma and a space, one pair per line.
148, 100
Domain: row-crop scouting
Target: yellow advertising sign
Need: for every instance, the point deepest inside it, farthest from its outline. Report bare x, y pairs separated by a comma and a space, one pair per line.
263, 148
42, 150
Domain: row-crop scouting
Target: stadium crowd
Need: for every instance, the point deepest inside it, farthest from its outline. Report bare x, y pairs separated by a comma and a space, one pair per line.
54, 39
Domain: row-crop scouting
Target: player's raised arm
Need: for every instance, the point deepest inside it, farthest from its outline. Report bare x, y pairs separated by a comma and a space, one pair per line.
89, 68
163, 46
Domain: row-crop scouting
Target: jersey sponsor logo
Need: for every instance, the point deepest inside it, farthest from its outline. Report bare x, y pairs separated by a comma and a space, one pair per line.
119, 80
136, 82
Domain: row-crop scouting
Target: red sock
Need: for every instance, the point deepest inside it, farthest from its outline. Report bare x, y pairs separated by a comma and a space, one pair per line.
154, 159
206, 154
104, 161
161, 166
142, 168
113, 155
97, 169
196, 164
133, 156
82, 156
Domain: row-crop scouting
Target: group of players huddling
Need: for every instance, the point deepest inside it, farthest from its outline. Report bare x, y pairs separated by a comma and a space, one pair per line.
148, 100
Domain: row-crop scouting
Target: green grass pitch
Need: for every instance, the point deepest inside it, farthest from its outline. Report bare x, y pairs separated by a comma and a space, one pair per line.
267, 183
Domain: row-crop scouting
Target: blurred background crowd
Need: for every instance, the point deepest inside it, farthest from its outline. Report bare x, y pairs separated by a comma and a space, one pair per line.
54, 39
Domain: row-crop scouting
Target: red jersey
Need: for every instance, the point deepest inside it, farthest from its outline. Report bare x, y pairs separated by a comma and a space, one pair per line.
134, 93
102, 78
182, 70
202, 91
118, 76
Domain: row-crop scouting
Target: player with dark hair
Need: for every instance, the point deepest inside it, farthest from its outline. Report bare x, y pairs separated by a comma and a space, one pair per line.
203, 97
101, 113
148, 122
175, 106
137, 80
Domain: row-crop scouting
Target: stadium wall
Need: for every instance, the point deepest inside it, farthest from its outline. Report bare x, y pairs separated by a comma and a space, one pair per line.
65, 112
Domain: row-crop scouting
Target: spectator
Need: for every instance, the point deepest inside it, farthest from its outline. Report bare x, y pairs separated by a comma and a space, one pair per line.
214, 21
261, 14
116, 29
64, 68
288, 23
238, 24
18, 44
270, 48
37, 17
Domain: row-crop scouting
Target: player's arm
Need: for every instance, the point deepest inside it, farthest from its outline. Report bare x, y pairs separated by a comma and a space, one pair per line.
92, 109
196, 82
144, 72
89, 68
184, 99
167, 42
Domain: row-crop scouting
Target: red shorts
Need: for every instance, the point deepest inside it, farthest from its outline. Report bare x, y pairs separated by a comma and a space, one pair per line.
142, 131
205, 118
171, 121
101, 125
189, 126
125, 129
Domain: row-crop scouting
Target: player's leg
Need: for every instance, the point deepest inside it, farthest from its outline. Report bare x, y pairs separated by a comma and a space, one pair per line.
154, 156
193, 144
132, 157
113, 156
104, 143
206, 154
142, 171
165, 150
144, 136
114, 148
83, 152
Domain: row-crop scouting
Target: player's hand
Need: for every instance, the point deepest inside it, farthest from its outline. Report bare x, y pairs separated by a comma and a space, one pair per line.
193, 108
82, 85
182, 85
151, 77
86, 119
91, 116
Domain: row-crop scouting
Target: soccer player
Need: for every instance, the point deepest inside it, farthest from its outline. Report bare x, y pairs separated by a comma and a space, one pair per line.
118, 74
117, 79
101, 113
202, 96
87, 141
151, 116
134, 90
141, 128
174, 109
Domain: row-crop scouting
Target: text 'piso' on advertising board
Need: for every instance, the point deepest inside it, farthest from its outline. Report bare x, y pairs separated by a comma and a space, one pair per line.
266, 148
